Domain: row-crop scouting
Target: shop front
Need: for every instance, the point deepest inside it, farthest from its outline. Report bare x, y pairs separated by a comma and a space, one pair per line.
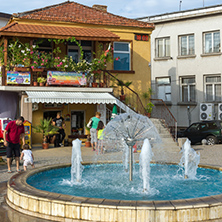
76, 109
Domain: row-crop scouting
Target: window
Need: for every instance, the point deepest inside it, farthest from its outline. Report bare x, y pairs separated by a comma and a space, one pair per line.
186, 45
211, 42
212, 88
43, 45
164, 88
122, 51
74, 51
163, 47
187, 89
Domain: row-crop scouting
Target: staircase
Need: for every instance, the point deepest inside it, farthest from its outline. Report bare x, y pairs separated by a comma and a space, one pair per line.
163, 132
161, 116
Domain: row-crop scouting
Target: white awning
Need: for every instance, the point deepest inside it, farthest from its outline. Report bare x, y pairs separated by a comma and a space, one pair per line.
70, 97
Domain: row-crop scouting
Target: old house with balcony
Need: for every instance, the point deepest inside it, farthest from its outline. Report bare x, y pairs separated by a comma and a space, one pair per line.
103, 48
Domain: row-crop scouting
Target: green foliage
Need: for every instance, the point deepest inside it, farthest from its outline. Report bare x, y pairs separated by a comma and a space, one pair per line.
45, 128
22, 54
146, 96
122, 84
149, 107
41, 79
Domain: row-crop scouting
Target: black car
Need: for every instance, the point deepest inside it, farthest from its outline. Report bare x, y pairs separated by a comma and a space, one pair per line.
209, 130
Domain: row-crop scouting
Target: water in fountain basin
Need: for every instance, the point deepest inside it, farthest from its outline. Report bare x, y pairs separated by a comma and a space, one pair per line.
189, 160
76, 168
145, 158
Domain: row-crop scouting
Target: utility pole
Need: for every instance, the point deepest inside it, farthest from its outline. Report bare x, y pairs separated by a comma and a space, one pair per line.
203, 3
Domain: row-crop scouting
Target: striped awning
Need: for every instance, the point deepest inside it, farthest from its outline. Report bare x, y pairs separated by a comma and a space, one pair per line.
70, 97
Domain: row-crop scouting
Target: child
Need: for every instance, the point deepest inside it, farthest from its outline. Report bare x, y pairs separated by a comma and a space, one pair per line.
100, 129
27, 157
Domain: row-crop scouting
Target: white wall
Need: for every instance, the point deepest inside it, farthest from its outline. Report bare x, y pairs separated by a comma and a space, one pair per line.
198, 66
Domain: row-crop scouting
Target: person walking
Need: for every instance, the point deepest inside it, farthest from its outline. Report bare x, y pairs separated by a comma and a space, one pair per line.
59, 122
100, 129
27, 157
12, 134
93, 130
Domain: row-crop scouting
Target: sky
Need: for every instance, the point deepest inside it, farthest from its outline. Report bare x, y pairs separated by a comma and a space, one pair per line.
126, 8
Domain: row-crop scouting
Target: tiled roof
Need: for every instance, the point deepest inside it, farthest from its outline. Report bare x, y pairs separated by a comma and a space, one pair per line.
77, 13
61, 31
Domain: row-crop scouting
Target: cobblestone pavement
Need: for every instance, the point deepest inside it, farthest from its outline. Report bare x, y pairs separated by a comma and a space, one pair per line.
209, 155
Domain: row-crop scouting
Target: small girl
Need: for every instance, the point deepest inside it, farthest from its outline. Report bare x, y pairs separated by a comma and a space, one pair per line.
27, 157
100, 129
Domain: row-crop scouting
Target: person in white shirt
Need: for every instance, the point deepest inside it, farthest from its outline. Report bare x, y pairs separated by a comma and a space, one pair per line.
27, 156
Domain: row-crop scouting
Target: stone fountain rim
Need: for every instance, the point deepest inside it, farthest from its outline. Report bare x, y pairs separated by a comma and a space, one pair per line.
19, 187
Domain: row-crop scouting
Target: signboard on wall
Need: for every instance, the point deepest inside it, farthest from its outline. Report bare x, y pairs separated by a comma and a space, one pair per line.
66, 78
21, 78
141, 37
102, 109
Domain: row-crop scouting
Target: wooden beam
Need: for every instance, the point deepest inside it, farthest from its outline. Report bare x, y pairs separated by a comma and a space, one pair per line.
87, 38
5, 58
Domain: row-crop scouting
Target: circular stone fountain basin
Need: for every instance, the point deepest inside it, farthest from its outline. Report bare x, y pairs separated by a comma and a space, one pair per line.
110, 181
60, 207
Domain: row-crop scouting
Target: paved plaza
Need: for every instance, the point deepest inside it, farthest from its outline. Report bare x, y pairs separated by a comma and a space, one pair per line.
209, 155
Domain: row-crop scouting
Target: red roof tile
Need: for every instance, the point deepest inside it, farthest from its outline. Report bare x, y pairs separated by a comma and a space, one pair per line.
62, 31
75, 12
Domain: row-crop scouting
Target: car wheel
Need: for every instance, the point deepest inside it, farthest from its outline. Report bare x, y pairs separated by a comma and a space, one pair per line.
211, 140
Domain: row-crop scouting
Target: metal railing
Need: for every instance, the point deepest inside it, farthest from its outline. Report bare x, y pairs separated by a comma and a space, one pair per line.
124, 93
161, 111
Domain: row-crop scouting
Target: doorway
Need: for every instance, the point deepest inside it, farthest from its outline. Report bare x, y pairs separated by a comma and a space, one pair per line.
77, 122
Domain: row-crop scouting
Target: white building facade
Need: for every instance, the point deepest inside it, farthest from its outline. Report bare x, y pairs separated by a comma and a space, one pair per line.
186, 63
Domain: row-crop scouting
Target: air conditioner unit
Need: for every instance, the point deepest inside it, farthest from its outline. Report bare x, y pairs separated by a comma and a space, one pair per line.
206, 111
220, 111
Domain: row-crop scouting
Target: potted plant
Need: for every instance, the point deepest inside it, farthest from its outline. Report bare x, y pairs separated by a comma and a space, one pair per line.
122, 84
41, 81
46, 129
149, 108
35, 83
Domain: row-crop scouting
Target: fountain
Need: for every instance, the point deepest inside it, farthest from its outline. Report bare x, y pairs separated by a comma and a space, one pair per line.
145, 159
189, 160
128, 130
104, 193
76, 168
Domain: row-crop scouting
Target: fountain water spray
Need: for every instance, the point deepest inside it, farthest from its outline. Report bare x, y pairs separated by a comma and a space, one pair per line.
189, 160
145, 158
130, 128
76, 168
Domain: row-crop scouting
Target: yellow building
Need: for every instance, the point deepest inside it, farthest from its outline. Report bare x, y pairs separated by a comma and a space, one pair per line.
91, 27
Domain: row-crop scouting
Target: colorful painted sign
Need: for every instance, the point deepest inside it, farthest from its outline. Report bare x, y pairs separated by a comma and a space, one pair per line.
66, 78
21, 78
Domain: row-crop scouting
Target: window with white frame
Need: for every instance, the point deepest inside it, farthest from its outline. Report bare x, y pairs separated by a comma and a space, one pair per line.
186, 45
121, 50
212, 86
164, 88
74, 51
187, 89
163, 47
211, 42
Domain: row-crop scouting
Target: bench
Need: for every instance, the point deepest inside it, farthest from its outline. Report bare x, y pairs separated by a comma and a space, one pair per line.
2, 149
